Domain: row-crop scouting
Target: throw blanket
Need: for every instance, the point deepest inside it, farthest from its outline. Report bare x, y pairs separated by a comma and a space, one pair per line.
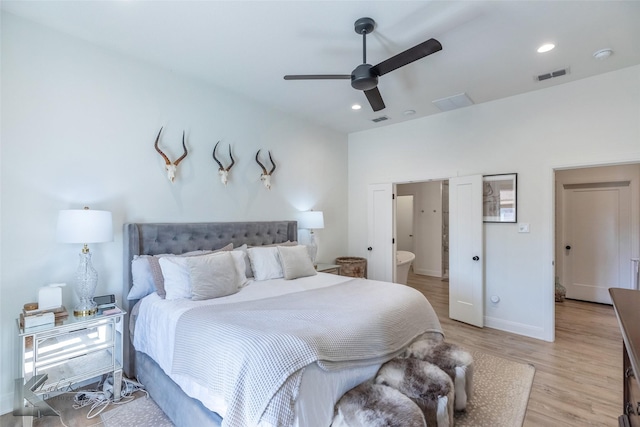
254, 352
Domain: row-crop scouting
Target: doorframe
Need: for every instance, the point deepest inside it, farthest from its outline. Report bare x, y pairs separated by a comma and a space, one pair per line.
550, 312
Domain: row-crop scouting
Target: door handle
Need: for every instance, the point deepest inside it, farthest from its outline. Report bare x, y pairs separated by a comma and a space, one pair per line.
369, 248
476, 258
567, 247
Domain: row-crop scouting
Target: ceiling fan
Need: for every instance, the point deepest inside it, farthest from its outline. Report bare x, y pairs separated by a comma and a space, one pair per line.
365, 76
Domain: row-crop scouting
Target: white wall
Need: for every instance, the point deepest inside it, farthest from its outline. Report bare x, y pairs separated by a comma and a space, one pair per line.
78, 127
427, 236
591, 121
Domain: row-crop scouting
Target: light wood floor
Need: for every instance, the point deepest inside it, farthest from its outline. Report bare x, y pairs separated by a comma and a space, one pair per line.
578, 379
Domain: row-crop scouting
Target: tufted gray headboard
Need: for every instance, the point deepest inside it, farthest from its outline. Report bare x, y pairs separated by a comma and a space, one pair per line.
178, 238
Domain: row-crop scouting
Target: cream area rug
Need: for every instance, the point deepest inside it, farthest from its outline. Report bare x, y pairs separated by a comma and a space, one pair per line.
500, 395
501, 390
142, 412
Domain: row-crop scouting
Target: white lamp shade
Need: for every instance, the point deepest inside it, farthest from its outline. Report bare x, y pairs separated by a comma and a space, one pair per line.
312, 220
84, 226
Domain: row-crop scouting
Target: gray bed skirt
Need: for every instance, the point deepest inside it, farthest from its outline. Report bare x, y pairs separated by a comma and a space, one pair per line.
181, 409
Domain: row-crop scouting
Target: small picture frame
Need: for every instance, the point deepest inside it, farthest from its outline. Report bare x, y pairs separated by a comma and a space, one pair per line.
499, 197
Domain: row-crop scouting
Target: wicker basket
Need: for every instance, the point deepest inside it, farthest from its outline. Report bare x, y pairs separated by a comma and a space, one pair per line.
352, 266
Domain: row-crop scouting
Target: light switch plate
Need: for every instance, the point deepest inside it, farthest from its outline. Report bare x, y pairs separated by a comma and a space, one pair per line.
523, 227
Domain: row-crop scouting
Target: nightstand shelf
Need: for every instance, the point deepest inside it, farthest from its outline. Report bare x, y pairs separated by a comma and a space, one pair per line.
328, 268
73, 350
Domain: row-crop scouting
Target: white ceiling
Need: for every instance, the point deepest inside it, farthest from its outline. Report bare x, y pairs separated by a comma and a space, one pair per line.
489, 47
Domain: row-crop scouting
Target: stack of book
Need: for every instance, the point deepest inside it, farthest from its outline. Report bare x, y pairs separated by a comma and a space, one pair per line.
32, 317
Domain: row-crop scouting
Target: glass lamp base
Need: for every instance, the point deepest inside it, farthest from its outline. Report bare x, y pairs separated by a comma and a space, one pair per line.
84, 309
86, 282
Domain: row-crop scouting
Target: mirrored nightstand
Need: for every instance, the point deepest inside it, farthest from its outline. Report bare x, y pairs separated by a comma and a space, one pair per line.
73, 350
328, 268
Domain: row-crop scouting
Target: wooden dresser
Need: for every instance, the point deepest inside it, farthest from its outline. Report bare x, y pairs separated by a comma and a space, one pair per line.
626, 303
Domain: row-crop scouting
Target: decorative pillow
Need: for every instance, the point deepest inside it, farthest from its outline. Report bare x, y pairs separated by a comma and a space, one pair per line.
156, 271
247, 261
296, 262
287, 243
241, 268
176, 277
265, 263
142, 279
211, 276
243, 249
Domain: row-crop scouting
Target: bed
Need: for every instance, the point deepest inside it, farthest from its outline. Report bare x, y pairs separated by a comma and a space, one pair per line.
280, 351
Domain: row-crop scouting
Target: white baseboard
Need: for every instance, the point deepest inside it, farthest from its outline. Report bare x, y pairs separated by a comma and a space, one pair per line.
6, 403
516, 328
427, 272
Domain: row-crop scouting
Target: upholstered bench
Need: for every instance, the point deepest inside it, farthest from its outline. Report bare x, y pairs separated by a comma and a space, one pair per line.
425, 384
374, 405
455, 361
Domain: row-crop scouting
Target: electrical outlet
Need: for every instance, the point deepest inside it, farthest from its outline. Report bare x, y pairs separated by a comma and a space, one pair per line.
523, 227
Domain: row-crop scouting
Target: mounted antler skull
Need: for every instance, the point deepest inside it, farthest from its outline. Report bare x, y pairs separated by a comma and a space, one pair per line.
169, 165
224, 172
266, 176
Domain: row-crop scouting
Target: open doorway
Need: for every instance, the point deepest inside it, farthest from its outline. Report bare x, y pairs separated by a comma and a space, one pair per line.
429, 228
597, 224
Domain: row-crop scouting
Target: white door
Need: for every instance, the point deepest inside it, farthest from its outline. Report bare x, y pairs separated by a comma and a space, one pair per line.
381, 249
466, 257
404, 223
597, 240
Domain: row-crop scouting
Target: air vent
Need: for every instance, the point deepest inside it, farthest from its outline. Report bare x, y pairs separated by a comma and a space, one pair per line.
552, 74
453, 102
380, 119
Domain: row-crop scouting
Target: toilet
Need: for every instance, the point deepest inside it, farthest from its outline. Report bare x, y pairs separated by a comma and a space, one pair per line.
403, 263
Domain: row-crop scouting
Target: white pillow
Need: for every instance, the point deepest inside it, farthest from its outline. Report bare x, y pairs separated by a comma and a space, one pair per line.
296, 262
241, 266
212, 276
265, 263
143, 283
175, 272
243, 249
156, 271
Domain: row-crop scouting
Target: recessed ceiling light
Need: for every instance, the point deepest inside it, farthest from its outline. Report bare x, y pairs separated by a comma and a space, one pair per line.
546, 47
356, 106
409, 112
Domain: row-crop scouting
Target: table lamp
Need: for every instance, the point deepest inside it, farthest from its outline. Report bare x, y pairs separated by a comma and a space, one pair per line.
85, 226
312, 220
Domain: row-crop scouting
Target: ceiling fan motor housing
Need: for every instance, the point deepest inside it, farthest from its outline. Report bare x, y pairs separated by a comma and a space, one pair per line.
362, 78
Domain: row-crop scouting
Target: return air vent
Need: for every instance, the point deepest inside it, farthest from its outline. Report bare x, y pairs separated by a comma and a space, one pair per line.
380, 119
552, 74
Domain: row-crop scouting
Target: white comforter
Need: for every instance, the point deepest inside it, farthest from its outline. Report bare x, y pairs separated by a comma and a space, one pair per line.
155, 335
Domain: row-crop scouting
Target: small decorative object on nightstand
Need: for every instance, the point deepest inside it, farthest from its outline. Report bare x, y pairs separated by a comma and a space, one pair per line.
73, 350
328, 268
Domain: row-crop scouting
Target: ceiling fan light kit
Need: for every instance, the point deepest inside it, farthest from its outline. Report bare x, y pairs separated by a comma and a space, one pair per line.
365, 76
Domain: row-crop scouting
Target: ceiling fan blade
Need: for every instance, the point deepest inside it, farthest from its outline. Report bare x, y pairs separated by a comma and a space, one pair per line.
317, 77
375, 99
408, 56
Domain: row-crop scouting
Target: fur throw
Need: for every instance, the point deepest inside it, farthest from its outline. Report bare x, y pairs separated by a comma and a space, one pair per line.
424, 383
374, 405
452, 359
